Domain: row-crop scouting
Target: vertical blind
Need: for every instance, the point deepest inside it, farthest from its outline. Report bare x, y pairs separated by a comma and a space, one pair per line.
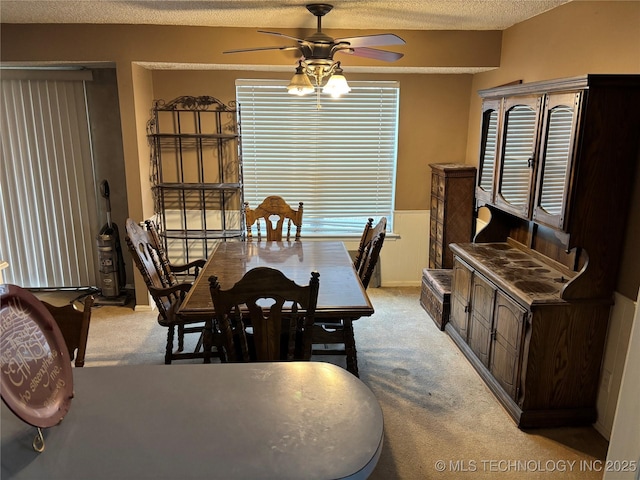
338, 156
46, 186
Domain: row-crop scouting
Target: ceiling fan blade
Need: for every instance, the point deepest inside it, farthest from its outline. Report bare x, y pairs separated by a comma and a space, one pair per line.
373, 53
282, 35
257, 49
372, 40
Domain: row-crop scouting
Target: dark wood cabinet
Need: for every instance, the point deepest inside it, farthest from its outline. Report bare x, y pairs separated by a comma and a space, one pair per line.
452, 210
538, 354
531, 296
565, 159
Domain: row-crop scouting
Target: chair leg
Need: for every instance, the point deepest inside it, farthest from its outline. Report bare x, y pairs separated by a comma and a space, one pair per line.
207, 340
350, 347
169, 351
180, 338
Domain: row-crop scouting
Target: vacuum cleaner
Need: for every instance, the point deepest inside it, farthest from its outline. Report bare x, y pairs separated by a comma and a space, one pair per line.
112, 269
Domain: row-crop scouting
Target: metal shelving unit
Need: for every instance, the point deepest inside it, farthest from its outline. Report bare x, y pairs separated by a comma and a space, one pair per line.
196, 174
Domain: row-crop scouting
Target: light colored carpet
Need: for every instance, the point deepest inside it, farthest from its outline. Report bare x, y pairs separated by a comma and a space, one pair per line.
441, 421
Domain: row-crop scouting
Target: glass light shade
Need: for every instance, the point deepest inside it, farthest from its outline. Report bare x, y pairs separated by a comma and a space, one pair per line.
337, 85
300, 84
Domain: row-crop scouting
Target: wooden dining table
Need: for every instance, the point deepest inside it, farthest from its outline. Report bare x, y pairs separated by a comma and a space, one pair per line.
341, 294
284, 420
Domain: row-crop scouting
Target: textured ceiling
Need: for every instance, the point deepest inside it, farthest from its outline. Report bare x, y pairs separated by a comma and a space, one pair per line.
354, 14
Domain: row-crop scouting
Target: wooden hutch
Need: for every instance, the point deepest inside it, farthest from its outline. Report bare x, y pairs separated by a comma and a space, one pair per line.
531, 296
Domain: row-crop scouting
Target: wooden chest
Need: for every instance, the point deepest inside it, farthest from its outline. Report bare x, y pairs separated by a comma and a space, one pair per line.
435, 296
452, 212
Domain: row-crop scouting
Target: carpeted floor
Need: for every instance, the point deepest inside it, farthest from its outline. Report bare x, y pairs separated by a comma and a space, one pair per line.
441, 421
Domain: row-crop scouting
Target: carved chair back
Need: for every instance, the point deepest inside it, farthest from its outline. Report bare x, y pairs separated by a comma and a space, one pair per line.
74, 325
148, 260
369, 250
157, 244
258, 300
366, 236
273, 212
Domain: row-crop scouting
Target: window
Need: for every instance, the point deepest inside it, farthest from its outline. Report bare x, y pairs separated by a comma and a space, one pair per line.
338, 156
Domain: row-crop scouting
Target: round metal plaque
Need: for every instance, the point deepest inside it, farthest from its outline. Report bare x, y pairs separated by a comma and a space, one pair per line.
35, 368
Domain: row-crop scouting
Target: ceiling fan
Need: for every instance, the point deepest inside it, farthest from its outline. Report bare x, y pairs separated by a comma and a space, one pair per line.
317, 52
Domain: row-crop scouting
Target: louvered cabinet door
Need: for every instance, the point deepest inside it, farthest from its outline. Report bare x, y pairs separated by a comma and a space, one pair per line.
460, 298
505, 360
518, 154
556, 159
481, 319
489, 142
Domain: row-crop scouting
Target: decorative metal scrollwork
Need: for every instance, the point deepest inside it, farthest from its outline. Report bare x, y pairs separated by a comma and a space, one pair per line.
203, 102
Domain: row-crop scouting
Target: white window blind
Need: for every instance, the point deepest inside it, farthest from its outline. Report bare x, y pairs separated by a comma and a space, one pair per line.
48, 220
338, 156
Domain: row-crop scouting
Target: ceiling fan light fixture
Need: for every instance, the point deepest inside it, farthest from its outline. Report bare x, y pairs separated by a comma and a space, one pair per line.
337, 84
317, 69
300, 83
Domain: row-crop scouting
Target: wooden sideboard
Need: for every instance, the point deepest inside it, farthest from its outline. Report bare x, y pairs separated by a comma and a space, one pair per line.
539, 354
531, 296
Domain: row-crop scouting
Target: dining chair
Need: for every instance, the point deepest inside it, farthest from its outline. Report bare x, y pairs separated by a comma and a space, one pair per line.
74, 325
169, 269
265, 316
166, 291
273, 209
364, 239
336, 336
371, 247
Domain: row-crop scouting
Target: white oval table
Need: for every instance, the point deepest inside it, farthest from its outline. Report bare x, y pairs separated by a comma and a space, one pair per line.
299, 420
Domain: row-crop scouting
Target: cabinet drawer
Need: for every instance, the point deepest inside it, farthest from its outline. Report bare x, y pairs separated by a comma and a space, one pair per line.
434, 184
438, 185
435, 296
439, 232
435, 207
441, 187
